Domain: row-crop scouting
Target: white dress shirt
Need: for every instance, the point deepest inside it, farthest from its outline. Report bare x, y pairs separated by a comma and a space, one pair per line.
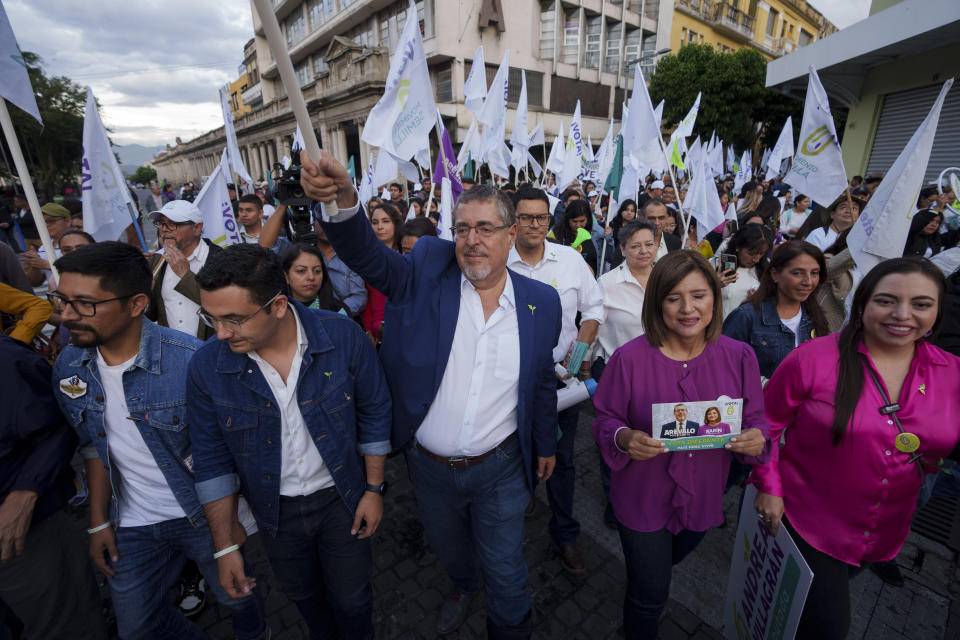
622, 302
476, 405
564, 269
182, 311
302, 471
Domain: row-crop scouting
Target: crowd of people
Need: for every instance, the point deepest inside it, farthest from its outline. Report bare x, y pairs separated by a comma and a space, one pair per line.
191, 396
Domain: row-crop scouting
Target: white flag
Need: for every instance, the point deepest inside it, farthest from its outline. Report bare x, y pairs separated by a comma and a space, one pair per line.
535, 137
236, 160
465, 147
411, 213
366, 185
641, 131
880, 232
445, 220
14, 81
404, 115
519, 139
575, 139
475, 88
731, 159
108, 208
605, 157
298, 142
782, 150
743, 174
537, 169
572, 163
685, 128
703, 201
219, 225
494, 114
817, 169
555, 160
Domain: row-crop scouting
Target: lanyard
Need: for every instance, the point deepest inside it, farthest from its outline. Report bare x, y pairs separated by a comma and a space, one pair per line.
890, 409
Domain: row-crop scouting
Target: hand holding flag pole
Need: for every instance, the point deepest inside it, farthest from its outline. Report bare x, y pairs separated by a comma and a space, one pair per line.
276, 41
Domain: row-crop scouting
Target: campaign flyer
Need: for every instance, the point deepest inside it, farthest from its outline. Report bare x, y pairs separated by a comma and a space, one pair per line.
707, 424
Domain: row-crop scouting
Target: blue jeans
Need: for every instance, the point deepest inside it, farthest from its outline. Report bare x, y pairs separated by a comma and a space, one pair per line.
564, 528
321, 568
473, 515
650, 557
149, 564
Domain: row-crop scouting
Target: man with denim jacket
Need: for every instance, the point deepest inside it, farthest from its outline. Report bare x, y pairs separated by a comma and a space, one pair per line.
282, 407
121, 386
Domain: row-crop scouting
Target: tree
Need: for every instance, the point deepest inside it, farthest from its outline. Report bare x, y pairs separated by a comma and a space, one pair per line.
143, 175
52, 151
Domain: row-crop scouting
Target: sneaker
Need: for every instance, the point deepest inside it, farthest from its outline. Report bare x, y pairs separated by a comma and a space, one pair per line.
453, 612
193, 596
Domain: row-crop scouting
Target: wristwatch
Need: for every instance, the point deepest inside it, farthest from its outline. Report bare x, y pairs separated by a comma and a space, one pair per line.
380, 489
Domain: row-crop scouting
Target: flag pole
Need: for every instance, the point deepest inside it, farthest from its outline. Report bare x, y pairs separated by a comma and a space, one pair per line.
676, 187
27, 184
275, 40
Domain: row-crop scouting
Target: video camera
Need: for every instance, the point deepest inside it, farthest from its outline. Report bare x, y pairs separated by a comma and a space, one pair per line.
288, 191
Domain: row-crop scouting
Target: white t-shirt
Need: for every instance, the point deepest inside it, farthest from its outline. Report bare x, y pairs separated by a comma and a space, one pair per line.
735, 293
144, 497
794, 325
822, 238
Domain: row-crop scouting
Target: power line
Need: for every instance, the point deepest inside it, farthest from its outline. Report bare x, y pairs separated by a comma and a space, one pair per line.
111, 74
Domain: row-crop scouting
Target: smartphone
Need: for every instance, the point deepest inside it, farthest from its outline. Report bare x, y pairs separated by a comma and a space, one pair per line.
728, 262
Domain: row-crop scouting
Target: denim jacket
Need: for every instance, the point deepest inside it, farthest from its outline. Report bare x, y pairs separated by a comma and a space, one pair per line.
762, 329
236, 424
155, 388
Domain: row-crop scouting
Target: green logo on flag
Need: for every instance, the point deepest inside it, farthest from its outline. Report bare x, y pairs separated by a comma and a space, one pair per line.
403, 90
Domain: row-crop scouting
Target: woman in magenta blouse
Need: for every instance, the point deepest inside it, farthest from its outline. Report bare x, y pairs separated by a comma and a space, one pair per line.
664, 502
713, 424
865, 414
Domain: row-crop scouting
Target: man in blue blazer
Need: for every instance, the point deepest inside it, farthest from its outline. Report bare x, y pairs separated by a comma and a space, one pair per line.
467, 351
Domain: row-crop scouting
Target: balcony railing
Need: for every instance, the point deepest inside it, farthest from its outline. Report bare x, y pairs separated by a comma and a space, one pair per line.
732, 19
252, 95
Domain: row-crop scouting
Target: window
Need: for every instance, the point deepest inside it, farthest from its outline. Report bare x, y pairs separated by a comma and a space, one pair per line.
362, 34
295, 28
320, 11
444, 84
614, 35
804, 38
571, 37
548, 29
591, 53
303, 73
346, 3
385, 33
534, 87
772, 21
631, 49
319, 65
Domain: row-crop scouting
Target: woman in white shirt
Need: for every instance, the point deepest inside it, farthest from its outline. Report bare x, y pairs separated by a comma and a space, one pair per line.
750, 244
623, 288
793, 218
841, 219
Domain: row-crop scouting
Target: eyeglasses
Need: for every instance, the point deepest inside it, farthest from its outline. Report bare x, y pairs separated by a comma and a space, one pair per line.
233, 325
527, 220
162, 225
85, 308
484, 229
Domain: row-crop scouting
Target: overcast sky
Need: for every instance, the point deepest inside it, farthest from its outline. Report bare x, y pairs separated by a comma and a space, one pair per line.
156, 66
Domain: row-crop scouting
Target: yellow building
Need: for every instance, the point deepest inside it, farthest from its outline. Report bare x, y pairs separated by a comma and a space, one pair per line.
237, 87
772, 27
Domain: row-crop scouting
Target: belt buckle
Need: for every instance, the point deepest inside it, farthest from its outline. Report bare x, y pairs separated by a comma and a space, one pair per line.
457, 461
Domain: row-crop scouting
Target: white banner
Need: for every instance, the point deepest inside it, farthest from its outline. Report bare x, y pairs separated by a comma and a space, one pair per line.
769, 580
108, 208
235, 159
219, 225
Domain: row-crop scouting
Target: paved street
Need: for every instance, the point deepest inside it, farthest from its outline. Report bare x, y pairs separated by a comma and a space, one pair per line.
409, 584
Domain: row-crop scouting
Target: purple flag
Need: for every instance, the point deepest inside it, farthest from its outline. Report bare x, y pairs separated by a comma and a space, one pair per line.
446, 166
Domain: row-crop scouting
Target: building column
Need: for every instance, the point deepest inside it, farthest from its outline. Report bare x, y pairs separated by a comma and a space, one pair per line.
364, 151
264, 161
341, 137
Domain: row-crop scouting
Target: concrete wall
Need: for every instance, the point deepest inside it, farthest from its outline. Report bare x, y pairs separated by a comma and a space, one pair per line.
907, 73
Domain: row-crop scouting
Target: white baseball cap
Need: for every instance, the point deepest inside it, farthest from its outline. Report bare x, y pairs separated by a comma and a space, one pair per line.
657, 184
178, 211
592, 194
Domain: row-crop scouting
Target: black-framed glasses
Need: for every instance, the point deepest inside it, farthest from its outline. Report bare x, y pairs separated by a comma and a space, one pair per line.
484, 229
170, 225
229, 324
527, 220
85, 308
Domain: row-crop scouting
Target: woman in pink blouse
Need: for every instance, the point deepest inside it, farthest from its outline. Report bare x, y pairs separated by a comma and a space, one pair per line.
664, 502
865, 414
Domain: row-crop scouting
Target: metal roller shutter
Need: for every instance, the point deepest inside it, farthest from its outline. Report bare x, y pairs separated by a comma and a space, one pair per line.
901, 114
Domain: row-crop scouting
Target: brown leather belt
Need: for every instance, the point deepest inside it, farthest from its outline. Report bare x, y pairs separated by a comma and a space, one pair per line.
460, 463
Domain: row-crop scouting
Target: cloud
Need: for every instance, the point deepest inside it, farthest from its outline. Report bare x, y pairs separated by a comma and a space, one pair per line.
155, 66
842, 14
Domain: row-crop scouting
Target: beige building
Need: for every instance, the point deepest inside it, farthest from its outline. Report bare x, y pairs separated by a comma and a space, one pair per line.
582, 49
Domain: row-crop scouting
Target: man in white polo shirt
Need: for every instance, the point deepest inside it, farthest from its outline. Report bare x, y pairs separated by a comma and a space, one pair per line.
175, 294
564, 269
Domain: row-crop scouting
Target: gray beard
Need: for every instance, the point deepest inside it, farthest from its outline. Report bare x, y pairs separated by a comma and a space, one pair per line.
475, 274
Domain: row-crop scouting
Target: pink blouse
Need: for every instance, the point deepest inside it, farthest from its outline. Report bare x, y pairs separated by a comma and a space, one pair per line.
854, 501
